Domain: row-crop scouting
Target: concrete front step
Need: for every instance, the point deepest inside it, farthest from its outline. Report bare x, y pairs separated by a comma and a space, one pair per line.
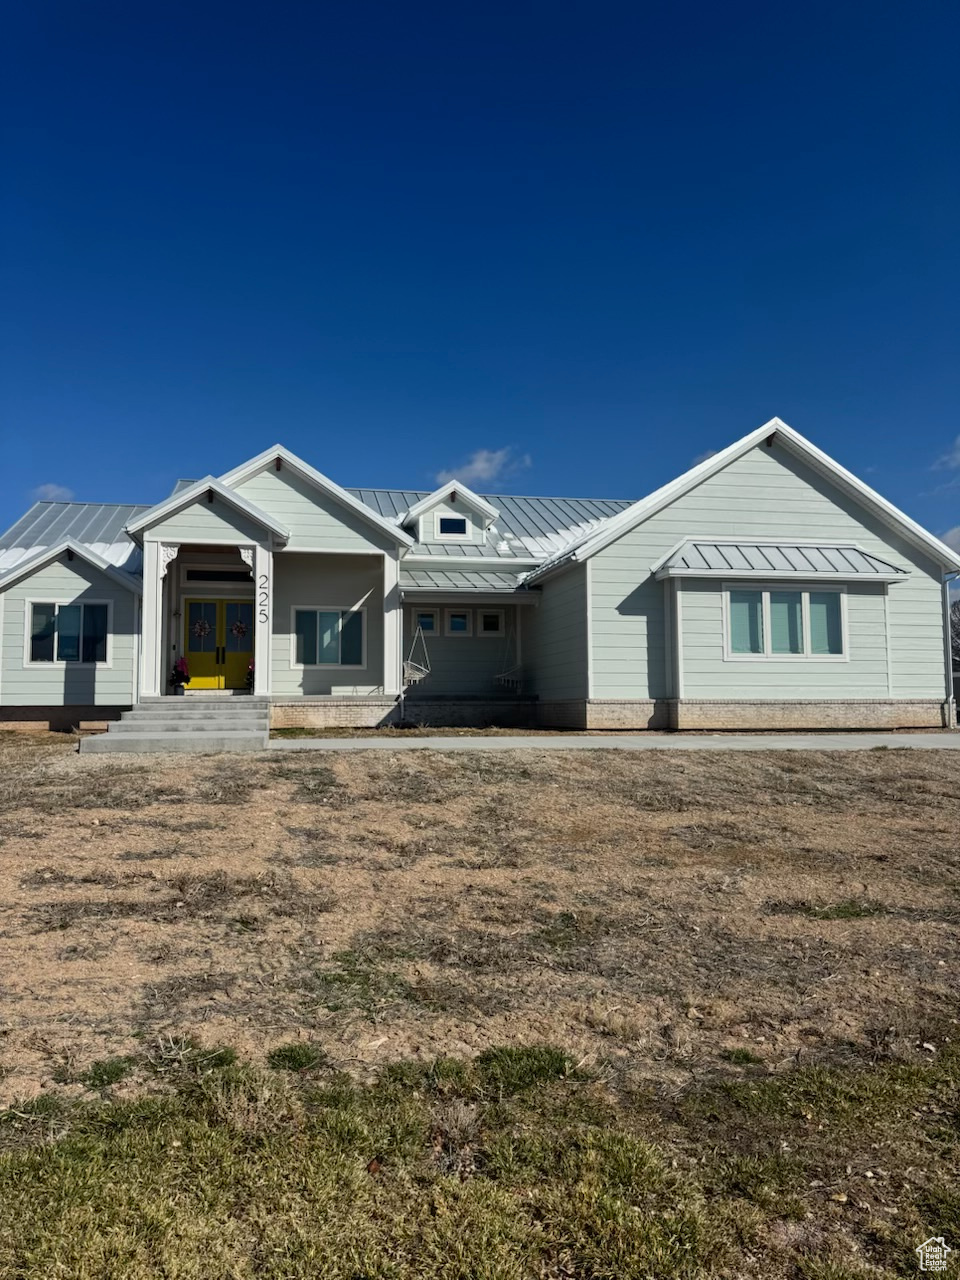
151, 715
189, 726
175, 742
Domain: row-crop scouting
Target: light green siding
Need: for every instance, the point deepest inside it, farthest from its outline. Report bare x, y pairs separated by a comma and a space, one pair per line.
315, 522
326, 581
428, 524
204, 521
707, 675
66, 581
467, 665
555, 638
767, 493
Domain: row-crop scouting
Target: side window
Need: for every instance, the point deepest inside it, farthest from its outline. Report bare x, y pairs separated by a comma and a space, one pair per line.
69, 632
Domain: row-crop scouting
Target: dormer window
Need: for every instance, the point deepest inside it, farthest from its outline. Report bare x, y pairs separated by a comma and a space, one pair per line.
452, 527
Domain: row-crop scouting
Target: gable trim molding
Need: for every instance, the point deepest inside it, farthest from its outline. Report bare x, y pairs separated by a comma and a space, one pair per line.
47, 554
323, 483
797, 444
470, 499
187, 497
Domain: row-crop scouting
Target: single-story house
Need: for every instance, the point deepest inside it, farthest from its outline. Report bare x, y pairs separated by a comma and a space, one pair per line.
767, 587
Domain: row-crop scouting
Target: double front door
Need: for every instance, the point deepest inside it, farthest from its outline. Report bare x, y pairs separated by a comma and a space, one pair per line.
218, 643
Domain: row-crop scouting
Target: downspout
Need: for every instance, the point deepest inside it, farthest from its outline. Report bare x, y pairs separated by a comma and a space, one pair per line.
950, 706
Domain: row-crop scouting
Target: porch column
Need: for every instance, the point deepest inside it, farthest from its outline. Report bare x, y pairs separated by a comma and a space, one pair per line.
262, 619
151, 644
392, 628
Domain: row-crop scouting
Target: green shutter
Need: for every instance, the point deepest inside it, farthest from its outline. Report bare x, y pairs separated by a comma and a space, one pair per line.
826, 631
786, 622
746, 622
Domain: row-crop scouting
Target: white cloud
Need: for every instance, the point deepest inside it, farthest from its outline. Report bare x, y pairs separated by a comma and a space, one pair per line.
52, 493
702, 457
951, 459
952, 538
486, 465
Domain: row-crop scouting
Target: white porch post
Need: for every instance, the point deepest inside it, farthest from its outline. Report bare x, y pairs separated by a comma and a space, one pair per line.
263, 619
151, 644
392, 624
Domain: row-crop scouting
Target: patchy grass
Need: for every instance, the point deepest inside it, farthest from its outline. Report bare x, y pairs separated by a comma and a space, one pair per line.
519, 1163
299, 1055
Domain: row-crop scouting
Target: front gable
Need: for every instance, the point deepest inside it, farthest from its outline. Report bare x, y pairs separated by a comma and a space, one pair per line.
452, 513
316, 521
327, 516
208, 519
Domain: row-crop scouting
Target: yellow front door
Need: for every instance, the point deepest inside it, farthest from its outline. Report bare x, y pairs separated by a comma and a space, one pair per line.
218, 643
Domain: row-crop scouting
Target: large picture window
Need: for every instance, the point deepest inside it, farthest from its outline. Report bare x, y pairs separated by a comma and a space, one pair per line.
75, 633
771, 622
328, 637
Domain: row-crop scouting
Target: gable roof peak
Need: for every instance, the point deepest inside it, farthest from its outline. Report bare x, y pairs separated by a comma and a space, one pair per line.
281, 456
595, 540
450, 489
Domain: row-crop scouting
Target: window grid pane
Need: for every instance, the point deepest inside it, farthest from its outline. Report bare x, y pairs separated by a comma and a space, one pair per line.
42, 627
746, 622
306, 631
94, 633
453, 525
329, 638
426, 621
826, 631
351, 640
786, 622
68, 632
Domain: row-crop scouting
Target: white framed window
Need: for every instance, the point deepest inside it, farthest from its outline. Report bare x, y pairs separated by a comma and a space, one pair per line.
489, 622
75, 633
447, 528
426, 620
785, 623
458, 622
328, 636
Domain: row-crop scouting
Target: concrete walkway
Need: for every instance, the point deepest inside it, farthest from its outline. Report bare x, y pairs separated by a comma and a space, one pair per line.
639, 742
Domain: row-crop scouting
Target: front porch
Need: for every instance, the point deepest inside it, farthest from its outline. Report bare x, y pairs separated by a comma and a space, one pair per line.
240, 617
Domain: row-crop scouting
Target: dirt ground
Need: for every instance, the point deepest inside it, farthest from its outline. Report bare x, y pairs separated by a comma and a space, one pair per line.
668, 915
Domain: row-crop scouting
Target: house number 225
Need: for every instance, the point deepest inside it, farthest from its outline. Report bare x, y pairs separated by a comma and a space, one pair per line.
263, 597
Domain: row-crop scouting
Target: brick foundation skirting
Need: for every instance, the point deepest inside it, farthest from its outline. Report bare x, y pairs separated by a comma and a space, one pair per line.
368, 713
848, 713
57, 719
758, 714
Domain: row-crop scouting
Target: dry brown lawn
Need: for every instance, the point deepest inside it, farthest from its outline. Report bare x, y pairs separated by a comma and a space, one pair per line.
666, 915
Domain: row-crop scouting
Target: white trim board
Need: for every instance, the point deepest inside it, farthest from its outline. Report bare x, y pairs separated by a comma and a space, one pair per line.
44, 556
187, 497
443, 494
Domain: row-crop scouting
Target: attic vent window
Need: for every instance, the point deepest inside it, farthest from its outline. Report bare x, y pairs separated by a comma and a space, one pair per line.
452, 527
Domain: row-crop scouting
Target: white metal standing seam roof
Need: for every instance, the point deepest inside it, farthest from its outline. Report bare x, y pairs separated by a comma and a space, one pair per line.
457, 580
699, 558
97, 525
532, 528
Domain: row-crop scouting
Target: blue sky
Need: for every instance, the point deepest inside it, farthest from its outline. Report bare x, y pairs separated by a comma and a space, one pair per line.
553, 249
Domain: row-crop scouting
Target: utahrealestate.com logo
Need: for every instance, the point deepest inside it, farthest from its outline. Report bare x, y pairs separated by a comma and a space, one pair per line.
933, 1254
